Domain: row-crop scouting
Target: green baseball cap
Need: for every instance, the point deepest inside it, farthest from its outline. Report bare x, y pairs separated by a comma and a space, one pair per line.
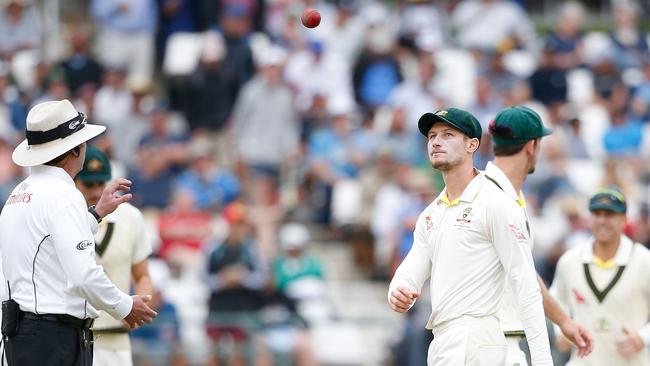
608, 199
517, 125
96, 168
461, 120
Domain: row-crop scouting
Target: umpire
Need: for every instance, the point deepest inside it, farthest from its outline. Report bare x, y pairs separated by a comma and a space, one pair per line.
55, 287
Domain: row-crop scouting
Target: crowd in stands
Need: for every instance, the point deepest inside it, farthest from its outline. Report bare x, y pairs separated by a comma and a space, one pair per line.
240, 129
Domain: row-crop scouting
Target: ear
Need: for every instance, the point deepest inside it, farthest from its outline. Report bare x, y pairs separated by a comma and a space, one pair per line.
473, 145
76, 151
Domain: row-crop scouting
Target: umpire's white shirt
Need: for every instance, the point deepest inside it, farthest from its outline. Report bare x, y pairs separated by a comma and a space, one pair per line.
605, 297
48, 250
469, 247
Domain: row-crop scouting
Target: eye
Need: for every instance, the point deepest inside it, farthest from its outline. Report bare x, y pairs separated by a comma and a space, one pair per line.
448, 134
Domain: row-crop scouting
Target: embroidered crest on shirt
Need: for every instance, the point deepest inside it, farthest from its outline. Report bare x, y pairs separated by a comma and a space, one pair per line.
464, 220
517, 232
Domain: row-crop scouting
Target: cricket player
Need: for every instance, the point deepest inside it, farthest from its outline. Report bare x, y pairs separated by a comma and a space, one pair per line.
517, 133
470, 240
122, 248
605, 284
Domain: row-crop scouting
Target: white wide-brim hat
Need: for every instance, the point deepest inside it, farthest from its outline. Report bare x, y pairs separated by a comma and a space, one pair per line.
53, 128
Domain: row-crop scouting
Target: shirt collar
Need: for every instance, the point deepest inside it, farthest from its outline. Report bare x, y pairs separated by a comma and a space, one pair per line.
621, 258
52, 171
494, 172
469, 193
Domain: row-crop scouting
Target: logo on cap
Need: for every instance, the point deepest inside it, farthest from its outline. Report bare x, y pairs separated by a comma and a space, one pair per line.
95, 165
441, 113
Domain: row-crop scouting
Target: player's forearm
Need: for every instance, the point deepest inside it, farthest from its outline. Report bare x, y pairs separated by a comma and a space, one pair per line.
532, 317
552, 308
144, 286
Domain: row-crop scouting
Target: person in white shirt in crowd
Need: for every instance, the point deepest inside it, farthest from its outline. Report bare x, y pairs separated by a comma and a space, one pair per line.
468, 241
121, 248
55, 287
517, 132
605, 284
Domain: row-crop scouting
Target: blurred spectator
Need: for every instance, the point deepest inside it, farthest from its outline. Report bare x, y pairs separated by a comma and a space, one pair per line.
235, 23
294, 265
401, 141
565, 40
548, 83
211, 186
175, 16
346, 36
489, 25
113, 101
126, 34
422, 19
376, 72
419, 96
629, 43
160, 157
183, 231
500, 78
212, 12
80, 68
487, 102
9, 172
20, 28
209, 93
235, 275
640, 102
265, 127
623, 138
576, 148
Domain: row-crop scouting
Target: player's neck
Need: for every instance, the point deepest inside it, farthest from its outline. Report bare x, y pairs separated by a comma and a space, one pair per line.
511, 166
457, 179
606, 250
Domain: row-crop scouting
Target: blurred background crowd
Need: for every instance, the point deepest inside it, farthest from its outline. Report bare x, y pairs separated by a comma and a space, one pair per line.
280, 169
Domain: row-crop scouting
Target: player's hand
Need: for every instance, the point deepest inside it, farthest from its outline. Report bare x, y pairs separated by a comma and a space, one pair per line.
630, 344
401, 299
140, 312
579, 336
109, 200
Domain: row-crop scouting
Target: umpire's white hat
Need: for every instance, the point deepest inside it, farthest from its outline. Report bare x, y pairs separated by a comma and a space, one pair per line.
53, 128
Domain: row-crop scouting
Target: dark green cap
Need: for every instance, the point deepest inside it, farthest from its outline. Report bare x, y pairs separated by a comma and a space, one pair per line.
96, 168
461, 120
517, 125
608, 199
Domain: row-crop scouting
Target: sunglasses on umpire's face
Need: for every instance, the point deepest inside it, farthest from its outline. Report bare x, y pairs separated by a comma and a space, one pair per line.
93, 184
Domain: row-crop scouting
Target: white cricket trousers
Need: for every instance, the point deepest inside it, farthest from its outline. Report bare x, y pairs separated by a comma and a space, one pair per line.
109, 357
515, 356
468, 341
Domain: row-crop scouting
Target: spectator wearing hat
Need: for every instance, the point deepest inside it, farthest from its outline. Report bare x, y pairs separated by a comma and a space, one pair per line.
294, 264
46, 236
121, 248
20, 28
605, 284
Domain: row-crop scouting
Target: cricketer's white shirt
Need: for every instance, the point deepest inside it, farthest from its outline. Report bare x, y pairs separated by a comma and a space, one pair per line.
120, 243
509, 313
48, 250
468, 248
618, 297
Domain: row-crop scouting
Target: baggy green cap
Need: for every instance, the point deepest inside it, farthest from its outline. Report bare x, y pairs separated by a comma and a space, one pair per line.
96, 168
461, 120
517, 125
608, 199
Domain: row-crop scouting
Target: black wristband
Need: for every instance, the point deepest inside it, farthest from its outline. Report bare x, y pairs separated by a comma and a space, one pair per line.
92, 211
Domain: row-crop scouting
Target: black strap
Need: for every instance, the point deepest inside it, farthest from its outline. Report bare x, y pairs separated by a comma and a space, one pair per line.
63, 130
494, 181
100, 248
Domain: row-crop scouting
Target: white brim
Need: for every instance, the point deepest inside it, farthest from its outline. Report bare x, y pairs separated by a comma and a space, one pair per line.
32, 155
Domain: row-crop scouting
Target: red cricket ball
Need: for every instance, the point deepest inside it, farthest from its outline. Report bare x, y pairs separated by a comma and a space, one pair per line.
310, 18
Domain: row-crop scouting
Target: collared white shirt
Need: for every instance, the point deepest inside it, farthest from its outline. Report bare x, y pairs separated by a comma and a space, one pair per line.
469, 248
48, 250
509, 314
605, 297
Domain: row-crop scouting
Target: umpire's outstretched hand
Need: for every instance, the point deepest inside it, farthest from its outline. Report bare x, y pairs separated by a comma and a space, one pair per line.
109, 200
140, 312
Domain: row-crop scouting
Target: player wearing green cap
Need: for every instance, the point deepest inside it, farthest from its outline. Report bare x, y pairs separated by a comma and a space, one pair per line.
517, 132
122, 248
469, 241
605, 284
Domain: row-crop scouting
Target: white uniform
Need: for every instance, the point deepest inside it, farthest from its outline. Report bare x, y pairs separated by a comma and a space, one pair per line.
120, 243
469, 247
48, 253
510, 322
606, 298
